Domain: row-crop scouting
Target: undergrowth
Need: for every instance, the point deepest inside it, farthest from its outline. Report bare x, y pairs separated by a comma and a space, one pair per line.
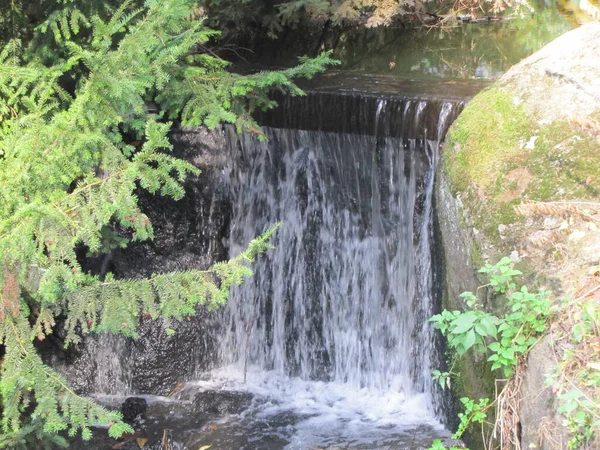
576, 381
506, 340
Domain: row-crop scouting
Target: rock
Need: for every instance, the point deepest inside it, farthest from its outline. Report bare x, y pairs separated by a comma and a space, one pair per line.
125, 445
561, 80
225, 402
133, 407
538, 404
189, 233
454, 443
537, 145
167, 443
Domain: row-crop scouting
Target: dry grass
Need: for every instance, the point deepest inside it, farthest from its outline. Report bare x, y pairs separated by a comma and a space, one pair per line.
577, 352
506, 429
562, 209
548, 434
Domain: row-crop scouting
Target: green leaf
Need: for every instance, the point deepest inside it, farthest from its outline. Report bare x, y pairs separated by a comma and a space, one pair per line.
469, 339
463, 323
488, 324
494, 346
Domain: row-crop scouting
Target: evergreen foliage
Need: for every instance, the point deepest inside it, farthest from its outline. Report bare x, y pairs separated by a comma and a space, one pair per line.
85, 94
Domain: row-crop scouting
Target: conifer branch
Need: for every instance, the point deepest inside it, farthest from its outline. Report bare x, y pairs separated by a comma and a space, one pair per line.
52, 201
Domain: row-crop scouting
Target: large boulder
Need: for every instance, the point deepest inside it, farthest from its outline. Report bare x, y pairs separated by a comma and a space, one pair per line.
520, 176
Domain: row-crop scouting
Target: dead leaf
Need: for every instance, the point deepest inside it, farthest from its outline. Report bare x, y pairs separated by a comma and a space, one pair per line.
131, 436
118, 445
392, 65
141, 442
205, 447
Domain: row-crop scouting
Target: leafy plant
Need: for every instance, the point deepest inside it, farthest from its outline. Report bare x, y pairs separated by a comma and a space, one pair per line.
577, 380
504, 339
439, 445
443, 378
473, 413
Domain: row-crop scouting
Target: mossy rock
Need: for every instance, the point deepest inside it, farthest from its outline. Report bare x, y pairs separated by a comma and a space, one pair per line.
533, 136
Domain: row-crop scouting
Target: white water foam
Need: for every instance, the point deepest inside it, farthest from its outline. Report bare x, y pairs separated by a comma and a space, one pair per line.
314, 414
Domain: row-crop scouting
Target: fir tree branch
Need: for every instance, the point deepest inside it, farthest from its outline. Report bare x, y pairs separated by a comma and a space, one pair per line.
52, 142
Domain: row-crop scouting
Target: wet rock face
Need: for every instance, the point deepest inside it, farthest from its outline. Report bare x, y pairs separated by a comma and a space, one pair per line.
159, 362
133, 407
160, 426
189, 233
182, 424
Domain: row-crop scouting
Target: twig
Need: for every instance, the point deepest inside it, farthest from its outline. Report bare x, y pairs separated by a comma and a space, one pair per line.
175, 389
164, 443
591, 291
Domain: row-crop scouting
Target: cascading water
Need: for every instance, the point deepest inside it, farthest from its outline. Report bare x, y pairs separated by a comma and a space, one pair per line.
335, 299
333, 325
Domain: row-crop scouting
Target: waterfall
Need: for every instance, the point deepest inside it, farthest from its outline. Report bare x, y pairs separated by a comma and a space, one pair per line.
342, 301
408, 117
335, 299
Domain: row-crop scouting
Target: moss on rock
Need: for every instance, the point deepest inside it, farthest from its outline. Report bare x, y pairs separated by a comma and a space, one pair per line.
486, 139
497, 156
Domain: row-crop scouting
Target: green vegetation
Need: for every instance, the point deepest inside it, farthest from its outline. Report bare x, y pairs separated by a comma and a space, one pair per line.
260, 16
576, 381
86, 91
510, 336
504, 340
526, 174
273, 17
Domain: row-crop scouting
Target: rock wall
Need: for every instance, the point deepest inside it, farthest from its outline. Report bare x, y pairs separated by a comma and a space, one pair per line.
190, 233
517, 162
